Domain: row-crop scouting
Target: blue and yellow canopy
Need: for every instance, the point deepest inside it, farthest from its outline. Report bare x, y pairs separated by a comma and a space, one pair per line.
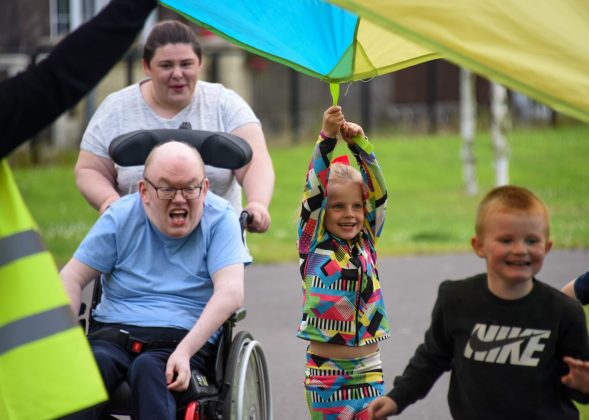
536, 47
313, 37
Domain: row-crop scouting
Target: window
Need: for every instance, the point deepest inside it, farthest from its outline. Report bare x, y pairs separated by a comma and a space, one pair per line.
60, 17
66, 15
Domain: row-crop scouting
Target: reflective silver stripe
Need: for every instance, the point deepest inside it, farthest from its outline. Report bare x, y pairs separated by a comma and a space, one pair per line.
36, 327
19, 245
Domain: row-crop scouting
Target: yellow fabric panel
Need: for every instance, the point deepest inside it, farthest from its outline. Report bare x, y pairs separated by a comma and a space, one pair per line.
386, 51
55, 375
14, 214
34, 283
538, 48
49, 378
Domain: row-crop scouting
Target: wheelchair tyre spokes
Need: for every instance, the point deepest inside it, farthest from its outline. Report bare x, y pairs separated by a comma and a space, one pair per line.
253, 390
250, 396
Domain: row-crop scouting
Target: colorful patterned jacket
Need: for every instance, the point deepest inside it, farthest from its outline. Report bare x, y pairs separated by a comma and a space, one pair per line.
343, 303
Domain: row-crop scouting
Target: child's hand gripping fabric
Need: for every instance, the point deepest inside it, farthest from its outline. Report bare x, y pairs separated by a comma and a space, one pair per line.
333, 119
350, 130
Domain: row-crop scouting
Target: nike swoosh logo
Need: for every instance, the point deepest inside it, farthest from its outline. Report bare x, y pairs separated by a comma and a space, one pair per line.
478, 345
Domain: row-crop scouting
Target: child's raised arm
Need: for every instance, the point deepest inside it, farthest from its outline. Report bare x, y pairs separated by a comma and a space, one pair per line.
376, 191
310, 227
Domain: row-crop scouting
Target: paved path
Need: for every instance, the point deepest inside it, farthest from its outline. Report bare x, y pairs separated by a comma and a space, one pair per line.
273, 300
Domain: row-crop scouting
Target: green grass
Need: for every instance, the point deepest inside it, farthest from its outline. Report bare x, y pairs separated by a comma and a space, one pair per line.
62, 214
428, 210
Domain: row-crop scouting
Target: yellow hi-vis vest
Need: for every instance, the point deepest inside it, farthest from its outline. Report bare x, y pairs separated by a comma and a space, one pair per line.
46, 366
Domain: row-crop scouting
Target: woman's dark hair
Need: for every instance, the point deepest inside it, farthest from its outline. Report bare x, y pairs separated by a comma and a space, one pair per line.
170, 32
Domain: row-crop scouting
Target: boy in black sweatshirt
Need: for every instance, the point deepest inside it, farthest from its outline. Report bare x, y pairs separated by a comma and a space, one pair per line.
516, 347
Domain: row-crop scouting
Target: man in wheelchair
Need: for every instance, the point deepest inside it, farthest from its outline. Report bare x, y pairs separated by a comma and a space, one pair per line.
174, 264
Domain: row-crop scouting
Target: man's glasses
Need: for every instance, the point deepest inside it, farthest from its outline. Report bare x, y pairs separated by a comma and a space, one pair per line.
168, 193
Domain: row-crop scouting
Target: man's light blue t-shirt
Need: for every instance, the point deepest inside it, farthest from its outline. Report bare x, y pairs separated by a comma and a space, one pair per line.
155, 280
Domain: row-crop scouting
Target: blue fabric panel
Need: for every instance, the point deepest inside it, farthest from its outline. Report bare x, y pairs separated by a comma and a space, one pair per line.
309, 33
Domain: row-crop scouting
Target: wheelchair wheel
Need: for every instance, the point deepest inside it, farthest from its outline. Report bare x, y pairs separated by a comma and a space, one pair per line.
247, 375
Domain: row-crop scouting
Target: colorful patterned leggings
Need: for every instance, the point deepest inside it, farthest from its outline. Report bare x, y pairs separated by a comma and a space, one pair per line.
341, 389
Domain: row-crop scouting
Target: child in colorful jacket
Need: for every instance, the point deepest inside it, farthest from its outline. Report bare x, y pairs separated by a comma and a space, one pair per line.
344, 316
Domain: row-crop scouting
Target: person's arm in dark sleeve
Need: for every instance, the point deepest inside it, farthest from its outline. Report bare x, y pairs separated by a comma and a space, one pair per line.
581, 287
431, 359
34, 98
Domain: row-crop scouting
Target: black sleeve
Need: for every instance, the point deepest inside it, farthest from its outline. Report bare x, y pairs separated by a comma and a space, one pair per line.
36, 97
431, 359
581, 287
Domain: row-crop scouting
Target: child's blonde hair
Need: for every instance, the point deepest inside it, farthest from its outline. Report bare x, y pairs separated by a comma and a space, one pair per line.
340, 172
510, 198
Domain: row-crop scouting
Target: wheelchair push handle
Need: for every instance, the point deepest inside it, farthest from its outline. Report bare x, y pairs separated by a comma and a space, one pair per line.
245, 218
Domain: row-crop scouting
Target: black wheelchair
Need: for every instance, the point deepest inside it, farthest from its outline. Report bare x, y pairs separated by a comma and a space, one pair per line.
240, 388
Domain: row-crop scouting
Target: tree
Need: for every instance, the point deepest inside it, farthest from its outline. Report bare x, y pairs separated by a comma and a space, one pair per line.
468, 110
499, 127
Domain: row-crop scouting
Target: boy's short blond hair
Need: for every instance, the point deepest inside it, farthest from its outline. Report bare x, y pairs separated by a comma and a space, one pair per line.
510, 198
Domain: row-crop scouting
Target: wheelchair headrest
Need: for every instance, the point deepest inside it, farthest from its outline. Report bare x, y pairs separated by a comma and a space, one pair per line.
222, 150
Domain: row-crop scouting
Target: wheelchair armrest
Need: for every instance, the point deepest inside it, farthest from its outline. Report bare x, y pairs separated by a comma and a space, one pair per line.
237, 316
222, 150
198, 387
